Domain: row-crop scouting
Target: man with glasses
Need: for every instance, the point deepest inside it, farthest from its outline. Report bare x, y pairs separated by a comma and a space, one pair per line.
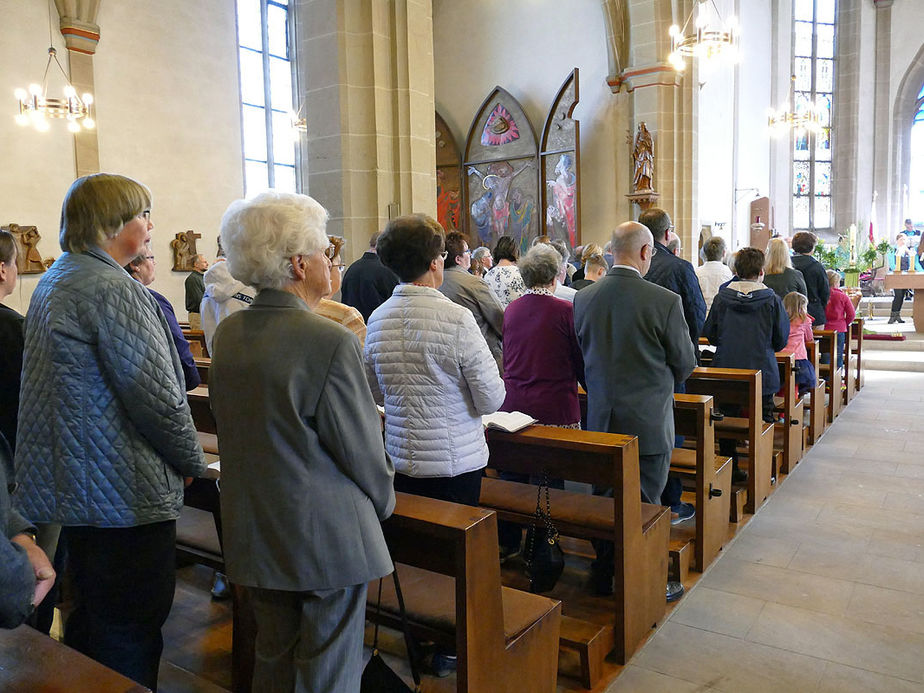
636, 350
471, 292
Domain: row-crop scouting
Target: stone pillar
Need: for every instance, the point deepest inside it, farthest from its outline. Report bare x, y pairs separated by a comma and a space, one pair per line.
888, 208
77, 21
664, 100
367, 84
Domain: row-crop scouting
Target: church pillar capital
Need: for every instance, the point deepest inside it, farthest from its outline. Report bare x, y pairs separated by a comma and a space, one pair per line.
77, 21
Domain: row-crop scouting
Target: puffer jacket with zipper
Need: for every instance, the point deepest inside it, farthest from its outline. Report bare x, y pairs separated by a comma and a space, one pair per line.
428, 362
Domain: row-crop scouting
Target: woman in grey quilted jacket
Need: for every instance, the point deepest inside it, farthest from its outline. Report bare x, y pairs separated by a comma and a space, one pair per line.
105, 434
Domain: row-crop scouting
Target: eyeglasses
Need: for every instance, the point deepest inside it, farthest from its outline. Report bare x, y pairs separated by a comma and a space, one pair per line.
467, 252
339, 266
148, 257
654, 249
444, 254
146, 215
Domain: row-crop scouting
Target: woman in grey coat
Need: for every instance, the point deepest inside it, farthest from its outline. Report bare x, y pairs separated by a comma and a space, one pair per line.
105, 434
779, 274
304, 476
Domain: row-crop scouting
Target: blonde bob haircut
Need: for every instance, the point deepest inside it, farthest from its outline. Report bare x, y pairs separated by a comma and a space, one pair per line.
778, 258
259, 236
97, 207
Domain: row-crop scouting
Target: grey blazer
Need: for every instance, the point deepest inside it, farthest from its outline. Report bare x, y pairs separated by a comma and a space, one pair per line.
473, 293
636, 347
304, 476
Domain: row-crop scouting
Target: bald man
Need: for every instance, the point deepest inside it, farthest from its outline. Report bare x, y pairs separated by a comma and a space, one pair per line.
636, 348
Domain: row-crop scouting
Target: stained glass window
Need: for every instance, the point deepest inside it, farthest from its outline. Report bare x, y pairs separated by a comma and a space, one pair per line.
266, 95
814, 37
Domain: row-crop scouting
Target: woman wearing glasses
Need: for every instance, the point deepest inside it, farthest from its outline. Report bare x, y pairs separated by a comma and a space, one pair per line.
142, 268
105, 434
428, 362
345, 315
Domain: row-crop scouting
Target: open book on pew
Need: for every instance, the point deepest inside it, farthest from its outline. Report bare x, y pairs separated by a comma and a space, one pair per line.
510, 421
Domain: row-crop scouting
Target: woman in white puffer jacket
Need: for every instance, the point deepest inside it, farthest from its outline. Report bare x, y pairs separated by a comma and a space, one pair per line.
428, 362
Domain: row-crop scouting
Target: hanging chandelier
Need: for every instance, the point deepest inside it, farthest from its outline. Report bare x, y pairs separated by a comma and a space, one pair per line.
713, 37
36, 107
800, 116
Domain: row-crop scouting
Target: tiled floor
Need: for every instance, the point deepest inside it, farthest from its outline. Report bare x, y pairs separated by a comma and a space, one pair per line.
823, 591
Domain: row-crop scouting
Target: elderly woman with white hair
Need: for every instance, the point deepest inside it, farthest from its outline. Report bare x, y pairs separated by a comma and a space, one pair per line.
305, 479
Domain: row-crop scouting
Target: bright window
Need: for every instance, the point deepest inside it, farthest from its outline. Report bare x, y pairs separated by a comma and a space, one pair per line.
813, 67
266, 95
916, 183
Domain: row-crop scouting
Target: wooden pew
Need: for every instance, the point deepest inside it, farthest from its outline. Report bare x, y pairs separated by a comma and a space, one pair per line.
196, 339
848, 377
856, 348
817, 412
31, 662
742, 388
790, 428
711, 475
506, 640
202, 365
198, 399
827, 340
639, 531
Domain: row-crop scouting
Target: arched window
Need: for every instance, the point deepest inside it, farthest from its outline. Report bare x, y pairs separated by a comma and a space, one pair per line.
813, 67
916, 178
266, 95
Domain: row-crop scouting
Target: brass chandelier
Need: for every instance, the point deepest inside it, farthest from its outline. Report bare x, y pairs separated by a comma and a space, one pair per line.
712, 38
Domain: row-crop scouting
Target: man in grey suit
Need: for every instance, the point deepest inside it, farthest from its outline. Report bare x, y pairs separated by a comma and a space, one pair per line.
305, 478
473, 293
636, 348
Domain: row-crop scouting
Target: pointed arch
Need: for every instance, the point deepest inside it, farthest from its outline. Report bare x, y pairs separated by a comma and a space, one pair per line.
449, 193
502, 172
560, 154
907, 103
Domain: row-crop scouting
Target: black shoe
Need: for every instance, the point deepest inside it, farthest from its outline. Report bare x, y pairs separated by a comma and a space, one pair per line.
220, 587
739, 476
442, 665
674, 591
601, 584
683, 511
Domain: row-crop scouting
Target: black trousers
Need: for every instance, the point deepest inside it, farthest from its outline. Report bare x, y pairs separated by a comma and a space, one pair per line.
464, 488
898, 298
124, 579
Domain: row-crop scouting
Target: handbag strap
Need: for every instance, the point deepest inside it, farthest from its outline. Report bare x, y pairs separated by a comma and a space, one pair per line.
375, 628
541, 516
408, 640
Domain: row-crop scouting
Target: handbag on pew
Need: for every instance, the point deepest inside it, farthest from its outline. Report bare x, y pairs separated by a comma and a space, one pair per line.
378, 677
545, 560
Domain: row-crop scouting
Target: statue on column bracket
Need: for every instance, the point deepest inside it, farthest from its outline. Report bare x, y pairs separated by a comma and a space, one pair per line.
643, 194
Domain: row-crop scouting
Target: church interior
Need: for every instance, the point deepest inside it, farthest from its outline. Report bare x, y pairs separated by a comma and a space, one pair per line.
745, 120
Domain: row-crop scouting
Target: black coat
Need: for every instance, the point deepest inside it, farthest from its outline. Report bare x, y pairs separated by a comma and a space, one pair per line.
11, 346
816, 281
367, 284
678, 275
748, 327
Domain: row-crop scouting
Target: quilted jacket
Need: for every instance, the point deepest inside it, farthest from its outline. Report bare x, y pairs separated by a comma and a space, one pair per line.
428, 362
105, 433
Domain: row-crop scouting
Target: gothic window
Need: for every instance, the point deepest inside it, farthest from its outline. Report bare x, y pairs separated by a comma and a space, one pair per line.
813, 67
265, 60
916, 180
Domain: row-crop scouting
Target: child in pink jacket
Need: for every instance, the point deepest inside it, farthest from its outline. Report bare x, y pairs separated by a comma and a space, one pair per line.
800, 334
838, 313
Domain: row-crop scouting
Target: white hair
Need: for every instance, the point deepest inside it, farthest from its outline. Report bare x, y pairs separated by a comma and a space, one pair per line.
540, 265
259, 236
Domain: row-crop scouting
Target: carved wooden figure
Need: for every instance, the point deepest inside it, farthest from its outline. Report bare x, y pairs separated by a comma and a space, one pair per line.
28, 258
184, 250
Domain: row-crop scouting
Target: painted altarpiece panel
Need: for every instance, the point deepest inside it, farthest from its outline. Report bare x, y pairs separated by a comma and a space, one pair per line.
449, 198
501, 166
560, 165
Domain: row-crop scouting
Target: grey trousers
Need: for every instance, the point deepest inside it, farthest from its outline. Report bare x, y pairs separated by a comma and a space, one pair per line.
309, 642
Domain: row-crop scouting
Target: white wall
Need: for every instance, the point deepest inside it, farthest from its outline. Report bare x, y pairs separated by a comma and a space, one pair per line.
907, 39
529, 49
167, 112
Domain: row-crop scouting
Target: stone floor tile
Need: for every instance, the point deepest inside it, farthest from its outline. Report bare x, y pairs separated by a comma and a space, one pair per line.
887, 607
861, 465
634, 679
911, 502
718, 612
842, 563
892, 573
831, 534
882, 649
896, 543
727, 664
767, 550
838, 678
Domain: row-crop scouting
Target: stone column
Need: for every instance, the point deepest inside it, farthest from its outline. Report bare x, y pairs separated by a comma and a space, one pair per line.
367, 84
664, 100
888, 208
77, 20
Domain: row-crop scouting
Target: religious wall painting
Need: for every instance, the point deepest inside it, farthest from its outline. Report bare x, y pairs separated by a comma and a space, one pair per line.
560, 155
184, 250
448, 178
501, 169
28, 258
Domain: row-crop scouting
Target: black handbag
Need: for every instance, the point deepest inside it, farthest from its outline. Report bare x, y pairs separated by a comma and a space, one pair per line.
545, 561
378, 676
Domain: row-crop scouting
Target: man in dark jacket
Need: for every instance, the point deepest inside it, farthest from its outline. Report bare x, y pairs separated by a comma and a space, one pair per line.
816, 280
368, 283
674, 273
26, 574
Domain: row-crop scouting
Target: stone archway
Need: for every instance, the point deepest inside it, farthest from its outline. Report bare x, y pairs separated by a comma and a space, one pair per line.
906, 104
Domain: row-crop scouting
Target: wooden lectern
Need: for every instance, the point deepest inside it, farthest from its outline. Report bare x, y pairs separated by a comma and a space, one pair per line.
910, 280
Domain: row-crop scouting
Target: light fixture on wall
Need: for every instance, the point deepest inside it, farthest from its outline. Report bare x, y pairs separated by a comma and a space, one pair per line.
713, 38
800, 116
